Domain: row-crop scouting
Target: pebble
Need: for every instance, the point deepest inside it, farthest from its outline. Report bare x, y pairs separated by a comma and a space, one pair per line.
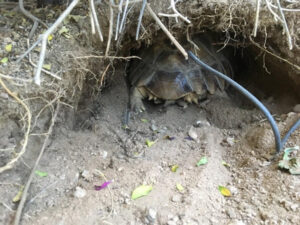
192, 133
151, 215
202, 123
176, 198
86, 175
153, 127
236, 222
104, 154
79, 192
297, 108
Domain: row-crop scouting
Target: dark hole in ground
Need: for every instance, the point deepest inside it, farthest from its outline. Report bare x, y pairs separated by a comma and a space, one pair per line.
261, 75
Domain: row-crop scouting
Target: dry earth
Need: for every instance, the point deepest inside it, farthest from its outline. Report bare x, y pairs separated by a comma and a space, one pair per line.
261, 193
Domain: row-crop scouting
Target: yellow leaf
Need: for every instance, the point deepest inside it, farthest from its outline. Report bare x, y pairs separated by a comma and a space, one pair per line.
50, 37
47, 66
8, 47
174, 168
19, 195
179, 187
224, 191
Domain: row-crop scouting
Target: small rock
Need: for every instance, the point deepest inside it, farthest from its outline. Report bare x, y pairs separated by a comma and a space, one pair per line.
202, 123
86, 175
176, 198
151, 215
104, 154
231, 214
294, 207
79, 192
297, 108
192, 133
153, 127
236, 222
229, 141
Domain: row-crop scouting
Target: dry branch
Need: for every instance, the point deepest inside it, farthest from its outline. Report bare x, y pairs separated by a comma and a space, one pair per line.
163, 27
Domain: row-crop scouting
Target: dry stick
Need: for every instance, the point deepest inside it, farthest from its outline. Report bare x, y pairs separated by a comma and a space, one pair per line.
25, 140
26, 188
256, 17
276, 17
30, 49
276, 56
28, 14
289, 38
15, 78
92, 23
110, 32
124, 16
94, 14
163, 27
45, 71
176, 13
140, 20
37, 76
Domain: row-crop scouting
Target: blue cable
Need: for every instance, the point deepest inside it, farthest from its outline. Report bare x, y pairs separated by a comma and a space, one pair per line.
279, 143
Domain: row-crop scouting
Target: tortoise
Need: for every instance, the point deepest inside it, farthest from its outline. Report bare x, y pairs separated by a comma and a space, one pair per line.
164, 74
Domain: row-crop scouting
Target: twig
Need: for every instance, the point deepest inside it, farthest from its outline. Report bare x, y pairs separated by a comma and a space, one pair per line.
108, 57
29, 15
44, 37
176, 13
29, 50
256, 17
15, 78
140, 19
92, 23
276, 56
276, 17
124, 17
163, 27
26, 135
45, 71
111, 22
33, 29
26, 188
103, 74
95, 18
289, 38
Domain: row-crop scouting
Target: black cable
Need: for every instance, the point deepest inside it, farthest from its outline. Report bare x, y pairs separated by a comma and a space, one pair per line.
279, 143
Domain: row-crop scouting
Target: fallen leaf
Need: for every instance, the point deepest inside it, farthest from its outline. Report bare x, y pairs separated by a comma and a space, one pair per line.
40, 173
174, 168
169, 137
50, 37
202, 161
4, 60
226, 164
179, 187
144, 120
102, 186
224, 191
8, 47
18, 195
149, 143
290, 163
47, 66
140, 191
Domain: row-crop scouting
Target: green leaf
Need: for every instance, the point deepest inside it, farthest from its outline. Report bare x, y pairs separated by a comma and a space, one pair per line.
224, 191
179, 187
149, 143
4, 60
40, 173
174, 168
144, 120
140, 191
202, 161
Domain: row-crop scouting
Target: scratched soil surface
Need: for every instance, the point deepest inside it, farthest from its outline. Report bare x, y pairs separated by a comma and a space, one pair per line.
100, 150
